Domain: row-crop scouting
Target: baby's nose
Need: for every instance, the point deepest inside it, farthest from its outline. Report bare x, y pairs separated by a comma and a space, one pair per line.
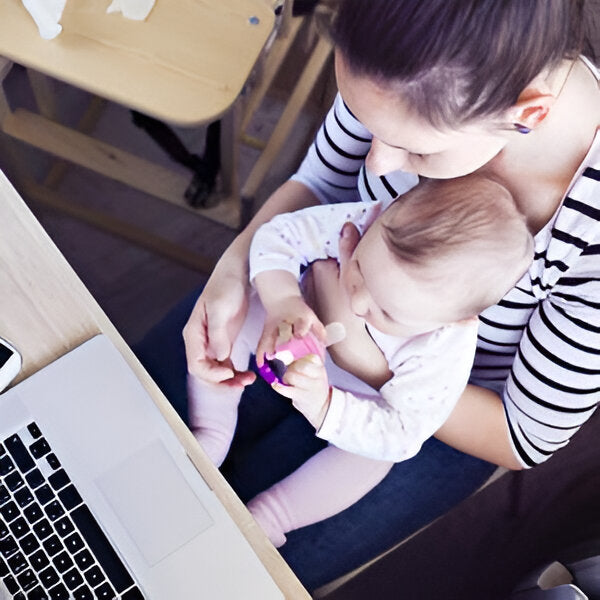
359, 304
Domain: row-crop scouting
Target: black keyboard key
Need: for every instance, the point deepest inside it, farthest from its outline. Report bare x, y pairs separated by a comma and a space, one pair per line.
73, 579
52, 545
34, 430
105, 592
9, 511
84, 559
17, 562
133, 594
4, 494
39, 448
3, 568
83, 593
44, 494
33, 513
27, 579
3, 529
23, 497
11, 584
70, 497
94, 576
59, 479
37, 593
16, 448
14, 481
8, 546
59, 592
74, 543
62, 562
102, 549
39, 560
53, 461
34, 478
6, 465
19, 596
19, 527
43, 529
54, 510
64, 527
49, 577
2, 450
29, 544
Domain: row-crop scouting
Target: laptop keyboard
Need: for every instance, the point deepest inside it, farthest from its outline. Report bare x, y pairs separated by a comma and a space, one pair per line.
51, 546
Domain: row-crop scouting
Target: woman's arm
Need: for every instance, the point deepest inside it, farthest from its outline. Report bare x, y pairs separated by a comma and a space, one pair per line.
221, 308
478, 426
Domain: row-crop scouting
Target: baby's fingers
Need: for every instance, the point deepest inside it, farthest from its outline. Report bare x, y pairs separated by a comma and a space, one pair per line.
266, 344
303, 372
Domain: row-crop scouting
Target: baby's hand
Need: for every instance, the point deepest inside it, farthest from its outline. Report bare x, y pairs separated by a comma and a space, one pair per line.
289, 318
307, 386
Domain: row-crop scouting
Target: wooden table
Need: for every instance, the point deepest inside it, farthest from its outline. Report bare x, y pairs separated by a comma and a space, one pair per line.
45, 310
186, 65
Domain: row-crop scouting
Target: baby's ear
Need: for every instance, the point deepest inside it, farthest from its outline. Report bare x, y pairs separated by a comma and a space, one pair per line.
349, 238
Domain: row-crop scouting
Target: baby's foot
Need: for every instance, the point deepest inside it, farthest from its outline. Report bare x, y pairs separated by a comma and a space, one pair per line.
212, 415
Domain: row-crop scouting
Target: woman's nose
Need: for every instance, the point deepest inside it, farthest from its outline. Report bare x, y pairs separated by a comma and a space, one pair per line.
383, 159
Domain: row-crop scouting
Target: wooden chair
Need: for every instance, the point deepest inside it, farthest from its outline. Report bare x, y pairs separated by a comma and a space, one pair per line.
158, 75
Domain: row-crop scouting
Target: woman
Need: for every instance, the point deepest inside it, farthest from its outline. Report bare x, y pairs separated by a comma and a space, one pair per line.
440, 89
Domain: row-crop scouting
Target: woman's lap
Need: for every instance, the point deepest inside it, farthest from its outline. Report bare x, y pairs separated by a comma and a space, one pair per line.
272, 440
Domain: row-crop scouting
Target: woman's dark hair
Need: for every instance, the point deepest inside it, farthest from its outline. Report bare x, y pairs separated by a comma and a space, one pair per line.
456, 60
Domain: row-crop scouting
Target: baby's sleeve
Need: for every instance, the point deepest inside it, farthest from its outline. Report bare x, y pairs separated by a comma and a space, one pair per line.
429, 375
292, 240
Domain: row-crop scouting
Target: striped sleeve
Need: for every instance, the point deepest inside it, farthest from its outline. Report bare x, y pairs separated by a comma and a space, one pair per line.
554, 385
333, 163
540, 347
334, 166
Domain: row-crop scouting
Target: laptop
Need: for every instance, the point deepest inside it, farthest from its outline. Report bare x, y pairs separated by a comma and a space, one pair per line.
98, 498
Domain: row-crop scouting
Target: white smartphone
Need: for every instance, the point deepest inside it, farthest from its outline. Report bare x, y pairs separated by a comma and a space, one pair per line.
10, 363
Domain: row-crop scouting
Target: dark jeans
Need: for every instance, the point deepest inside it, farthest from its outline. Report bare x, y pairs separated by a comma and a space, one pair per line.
272, 440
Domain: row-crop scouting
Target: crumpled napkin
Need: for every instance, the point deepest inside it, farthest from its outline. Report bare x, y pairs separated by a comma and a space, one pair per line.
47, 15
132, 9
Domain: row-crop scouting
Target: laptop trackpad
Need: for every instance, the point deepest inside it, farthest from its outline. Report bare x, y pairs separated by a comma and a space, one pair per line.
153, 501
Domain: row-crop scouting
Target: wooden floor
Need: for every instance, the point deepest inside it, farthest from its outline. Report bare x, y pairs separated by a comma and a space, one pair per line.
134, 286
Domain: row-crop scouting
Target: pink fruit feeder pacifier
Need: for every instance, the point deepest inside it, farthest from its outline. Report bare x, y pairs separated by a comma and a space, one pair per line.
285, 354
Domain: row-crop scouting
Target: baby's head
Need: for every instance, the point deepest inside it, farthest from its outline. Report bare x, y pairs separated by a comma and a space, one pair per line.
439, 254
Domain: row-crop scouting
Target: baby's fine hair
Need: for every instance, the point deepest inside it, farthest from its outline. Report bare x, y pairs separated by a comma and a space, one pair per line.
454, 61
471, 219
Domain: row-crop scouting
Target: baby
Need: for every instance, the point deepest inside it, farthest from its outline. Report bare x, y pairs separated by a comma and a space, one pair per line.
423, 270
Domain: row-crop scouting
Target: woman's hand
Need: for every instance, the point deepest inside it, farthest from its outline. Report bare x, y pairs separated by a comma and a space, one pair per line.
221, 309
211, 329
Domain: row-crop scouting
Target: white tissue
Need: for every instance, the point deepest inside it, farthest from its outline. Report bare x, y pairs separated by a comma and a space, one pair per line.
137, 10
46, 14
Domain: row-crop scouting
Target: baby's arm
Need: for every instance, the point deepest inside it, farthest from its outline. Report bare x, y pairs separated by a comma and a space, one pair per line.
280, 248
287, 314
426, 385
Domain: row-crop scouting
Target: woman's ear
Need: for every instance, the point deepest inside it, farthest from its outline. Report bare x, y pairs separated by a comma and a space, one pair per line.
532, 106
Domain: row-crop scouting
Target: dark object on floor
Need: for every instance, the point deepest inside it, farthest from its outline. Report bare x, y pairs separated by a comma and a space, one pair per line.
205, 169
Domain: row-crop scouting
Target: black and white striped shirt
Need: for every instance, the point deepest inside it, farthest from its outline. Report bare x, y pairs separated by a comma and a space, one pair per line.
539, 348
